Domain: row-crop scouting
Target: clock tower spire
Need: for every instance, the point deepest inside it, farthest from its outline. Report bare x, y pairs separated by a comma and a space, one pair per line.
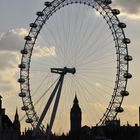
75, 117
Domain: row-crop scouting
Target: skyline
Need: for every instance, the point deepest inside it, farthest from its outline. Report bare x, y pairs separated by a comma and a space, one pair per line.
9, 46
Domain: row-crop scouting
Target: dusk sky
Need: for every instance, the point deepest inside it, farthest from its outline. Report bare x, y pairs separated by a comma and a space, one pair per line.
15, 17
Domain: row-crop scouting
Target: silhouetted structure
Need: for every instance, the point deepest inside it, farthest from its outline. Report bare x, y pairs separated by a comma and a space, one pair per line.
17, 123
76, 119
8, 130
111, 131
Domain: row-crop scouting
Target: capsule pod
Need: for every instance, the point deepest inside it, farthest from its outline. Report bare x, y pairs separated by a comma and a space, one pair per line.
122, 25
39, 13
27, 38
119, 109
48, 4
22, 66
29, 120
127, 75
24, 51
128, 58
115, 11
126, 40
22, 94
33, 25
25, 108
124, 93
21, 80
107, 2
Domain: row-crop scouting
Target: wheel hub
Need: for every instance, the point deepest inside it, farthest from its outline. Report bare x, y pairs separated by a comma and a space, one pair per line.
63, 71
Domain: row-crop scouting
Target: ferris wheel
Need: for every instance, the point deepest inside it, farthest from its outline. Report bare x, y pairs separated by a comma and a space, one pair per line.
74, 47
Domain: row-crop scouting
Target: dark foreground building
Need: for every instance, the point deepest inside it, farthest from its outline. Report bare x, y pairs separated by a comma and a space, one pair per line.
8, 130
111, 131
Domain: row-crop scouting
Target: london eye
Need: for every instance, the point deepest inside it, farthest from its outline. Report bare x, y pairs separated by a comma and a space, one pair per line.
74, 47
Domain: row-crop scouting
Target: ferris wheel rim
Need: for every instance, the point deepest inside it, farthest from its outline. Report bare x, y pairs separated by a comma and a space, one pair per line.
121, 46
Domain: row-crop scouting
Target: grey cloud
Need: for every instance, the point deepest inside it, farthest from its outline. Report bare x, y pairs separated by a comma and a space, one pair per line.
128, 6
12, 40
11, 43
7, 60
8, 71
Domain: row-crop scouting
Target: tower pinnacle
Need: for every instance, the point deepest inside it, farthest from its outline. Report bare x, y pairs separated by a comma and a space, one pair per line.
17, 122
76, 100
16, 115
76, 117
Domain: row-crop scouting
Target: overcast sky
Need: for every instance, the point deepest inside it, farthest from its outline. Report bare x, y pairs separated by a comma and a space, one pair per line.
15, 16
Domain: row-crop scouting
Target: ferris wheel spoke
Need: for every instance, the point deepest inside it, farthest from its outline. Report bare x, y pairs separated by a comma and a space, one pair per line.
92, 36
75, 31
97, 64
86, 90
88, 95
39, 99
84, 102
94, 53
96, 68
62, 49
96, 39
99, 83
41, 83
95, 59
56, 43
93, 29
96, 77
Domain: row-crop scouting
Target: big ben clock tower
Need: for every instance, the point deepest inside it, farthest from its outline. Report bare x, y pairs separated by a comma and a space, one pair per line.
75, 117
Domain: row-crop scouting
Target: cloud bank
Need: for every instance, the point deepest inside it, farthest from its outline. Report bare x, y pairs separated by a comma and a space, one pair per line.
12, 40
128, 7
11, 43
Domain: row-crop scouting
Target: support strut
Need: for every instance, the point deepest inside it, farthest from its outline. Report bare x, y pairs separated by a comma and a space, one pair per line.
57, 91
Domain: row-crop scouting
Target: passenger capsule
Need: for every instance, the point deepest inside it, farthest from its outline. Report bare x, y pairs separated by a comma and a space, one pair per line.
127, 75
126, 41
22, 66
39, 13
48, 4
24, 51
122, 25
29, 120
22, 94
27, 38
21, 80
124, 93
107, 2
33, 25
128, 58
25, 108
115, 11
119, 109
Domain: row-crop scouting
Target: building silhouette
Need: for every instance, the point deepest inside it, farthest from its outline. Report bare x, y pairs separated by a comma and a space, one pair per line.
16, 123
111, 131
8, 129
75, 117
